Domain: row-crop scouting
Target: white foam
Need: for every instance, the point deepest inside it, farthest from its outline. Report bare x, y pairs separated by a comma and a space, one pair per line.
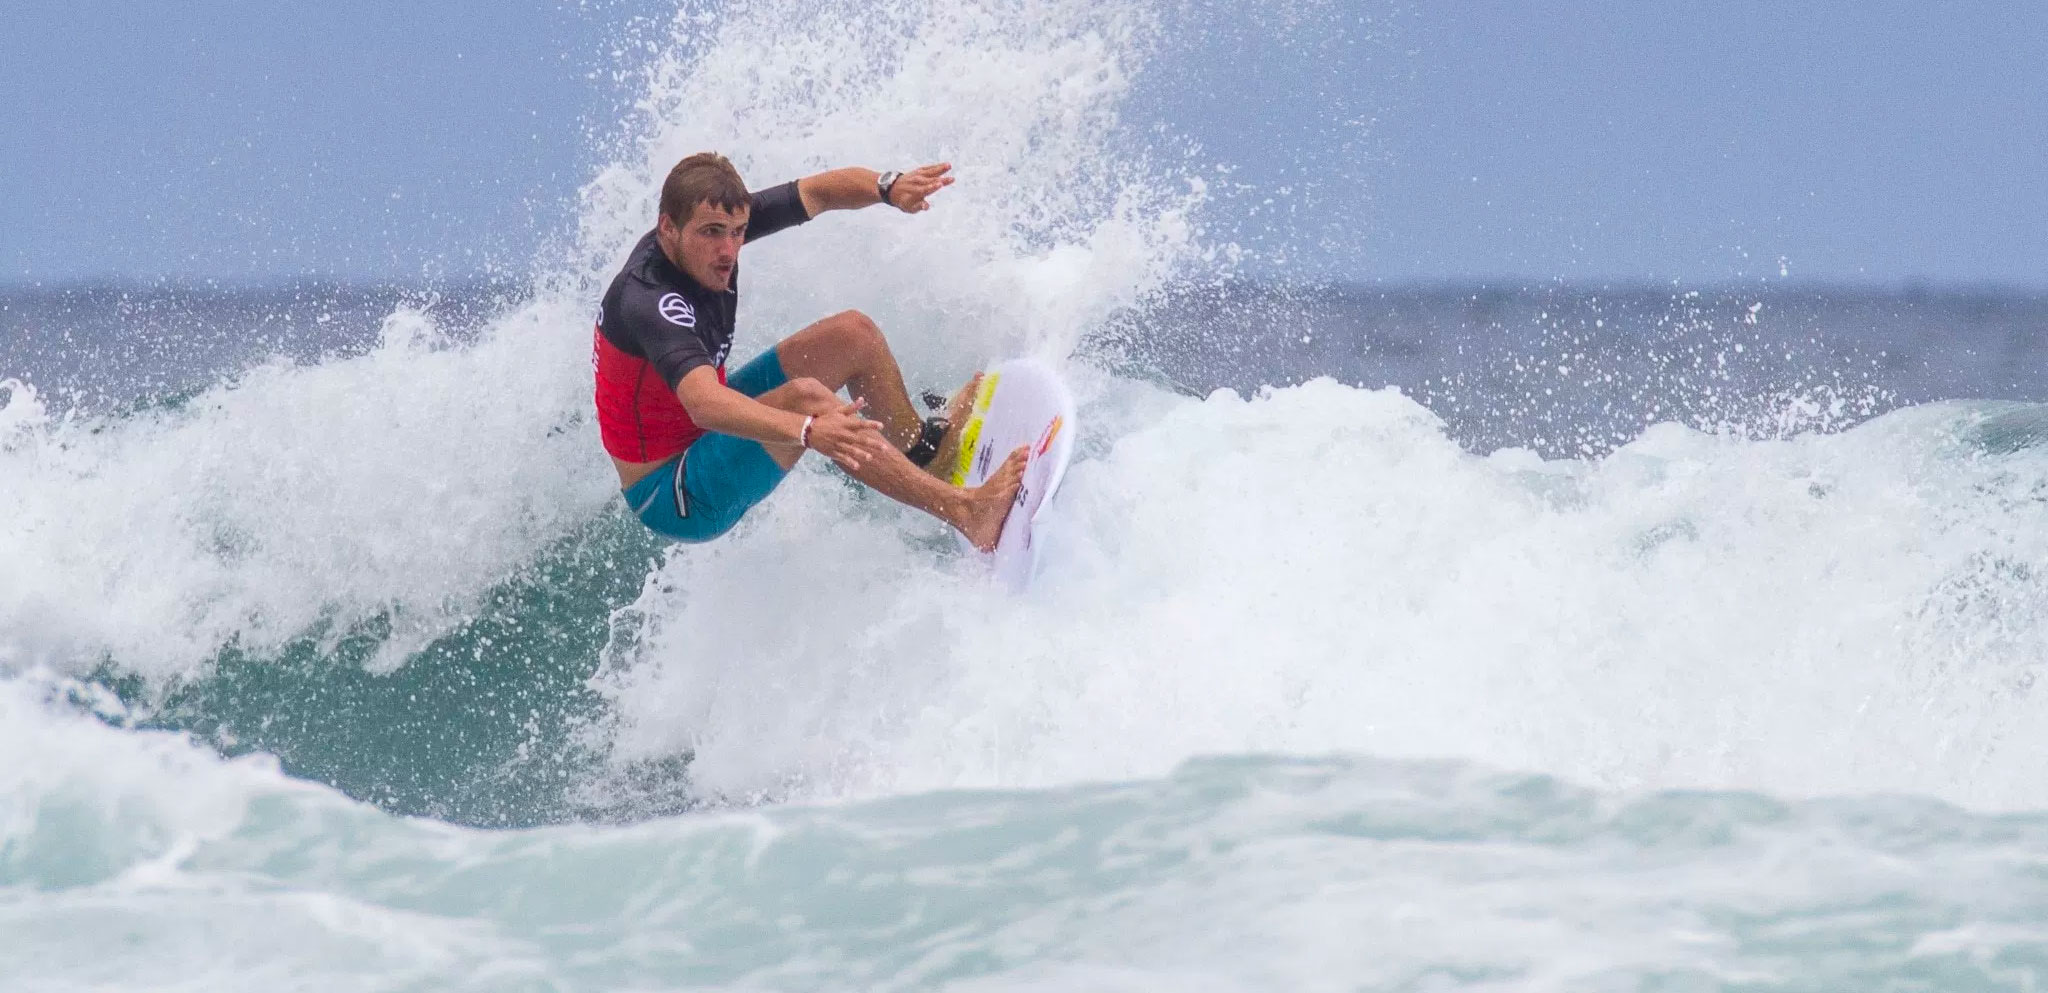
406, 480
1320, 569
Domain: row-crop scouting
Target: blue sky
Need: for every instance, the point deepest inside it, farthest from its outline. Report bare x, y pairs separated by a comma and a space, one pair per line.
1877, 142
1875, 139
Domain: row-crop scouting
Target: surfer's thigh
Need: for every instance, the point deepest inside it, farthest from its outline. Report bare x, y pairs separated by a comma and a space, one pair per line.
761, 374
703, 492
835, 350
725, 476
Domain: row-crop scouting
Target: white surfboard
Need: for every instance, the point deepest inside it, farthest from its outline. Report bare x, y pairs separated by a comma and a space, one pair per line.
1019, 402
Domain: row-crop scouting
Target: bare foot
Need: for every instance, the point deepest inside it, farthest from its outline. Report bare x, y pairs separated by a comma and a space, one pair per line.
988, 505
957, 409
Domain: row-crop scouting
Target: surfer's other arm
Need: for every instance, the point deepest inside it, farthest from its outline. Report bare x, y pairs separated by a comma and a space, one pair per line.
837, 431
855, 187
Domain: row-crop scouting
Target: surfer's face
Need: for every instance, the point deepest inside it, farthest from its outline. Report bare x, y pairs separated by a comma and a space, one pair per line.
707, 246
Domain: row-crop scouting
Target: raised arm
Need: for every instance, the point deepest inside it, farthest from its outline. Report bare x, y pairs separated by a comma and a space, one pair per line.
854, 187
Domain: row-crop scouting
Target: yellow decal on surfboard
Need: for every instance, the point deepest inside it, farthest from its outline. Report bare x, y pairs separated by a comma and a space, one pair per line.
986, 394
969, 435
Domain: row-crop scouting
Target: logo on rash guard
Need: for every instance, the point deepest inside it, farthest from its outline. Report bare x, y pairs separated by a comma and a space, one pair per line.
677, 311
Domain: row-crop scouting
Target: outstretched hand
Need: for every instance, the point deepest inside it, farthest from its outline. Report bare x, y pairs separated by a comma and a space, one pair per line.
913, 187
847, 438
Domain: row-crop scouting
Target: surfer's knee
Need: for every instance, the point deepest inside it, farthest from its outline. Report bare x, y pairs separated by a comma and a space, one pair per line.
856, 321
859, 331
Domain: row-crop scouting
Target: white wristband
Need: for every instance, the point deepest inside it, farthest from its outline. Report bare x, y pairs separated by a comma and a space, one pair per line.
803, 434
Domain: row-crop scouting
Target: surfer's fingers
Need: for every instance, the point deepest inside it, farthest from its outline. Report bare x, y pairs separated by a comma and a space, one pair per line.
922, 183
847, 456
864, 442
867, 443
859, 423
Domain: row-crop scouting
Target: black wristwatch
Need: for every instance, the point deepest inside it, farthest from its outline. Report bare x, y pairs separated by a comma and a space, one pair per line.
886, 182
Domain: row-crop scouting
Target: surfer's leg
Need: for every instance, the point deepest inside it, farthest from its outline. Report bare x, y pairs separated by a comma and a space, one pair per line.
977, 511
848, 351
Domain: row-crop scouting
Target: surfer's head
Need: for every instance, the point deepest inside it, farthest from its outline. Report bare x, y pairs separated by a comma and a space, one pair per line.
704, 206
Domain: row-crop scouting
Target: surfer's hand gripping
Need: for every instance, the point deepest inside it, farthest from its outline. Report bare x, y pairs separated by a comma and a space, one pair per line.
845, 437
913, 187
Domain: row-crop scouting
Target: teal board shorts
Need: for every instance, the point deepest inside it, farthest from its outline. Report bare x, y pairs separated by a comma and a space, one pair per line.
703, 492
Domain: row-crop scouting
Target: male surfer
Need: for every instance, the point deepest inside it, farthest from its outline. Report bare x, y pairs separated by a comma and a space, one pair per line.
695, 449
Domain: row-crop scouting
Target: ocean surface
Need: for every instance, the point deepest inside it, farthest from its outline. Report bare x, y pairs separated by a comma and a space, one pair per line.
1490, 637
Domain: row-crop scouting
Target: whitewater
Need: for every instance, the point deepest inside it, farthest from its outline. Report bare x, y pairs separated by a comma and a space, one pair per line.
340, 666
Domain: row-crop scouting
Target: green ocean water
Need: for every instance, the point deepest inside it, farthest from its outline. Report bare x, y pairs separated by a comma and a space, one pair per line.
479, 727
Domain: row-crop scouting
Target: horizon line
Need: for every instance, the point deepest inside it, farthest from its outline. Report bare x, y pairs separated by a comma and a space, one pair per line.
1898, 286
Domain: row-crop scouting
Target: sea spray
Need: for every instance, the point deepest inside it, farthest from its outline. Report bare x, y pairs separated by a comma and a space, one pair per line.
1319, 569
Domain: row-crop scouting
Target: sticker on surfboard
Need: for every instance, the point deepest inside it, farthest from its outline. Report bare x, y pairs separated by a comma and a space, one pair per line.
1019, 402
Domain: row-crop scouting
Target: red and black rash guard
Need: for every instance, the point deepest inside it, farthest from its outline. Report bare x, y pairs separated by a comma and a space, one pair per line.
656, 325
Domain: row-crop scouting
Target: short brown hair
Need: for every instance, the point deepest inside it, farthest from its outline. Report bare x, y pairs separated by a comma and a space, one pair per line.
706, 177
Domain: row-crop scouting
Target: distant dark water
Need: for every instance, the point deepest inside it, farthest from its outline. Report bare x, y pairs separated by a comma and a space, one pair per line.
1567, 370
93, 347
1573, 370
